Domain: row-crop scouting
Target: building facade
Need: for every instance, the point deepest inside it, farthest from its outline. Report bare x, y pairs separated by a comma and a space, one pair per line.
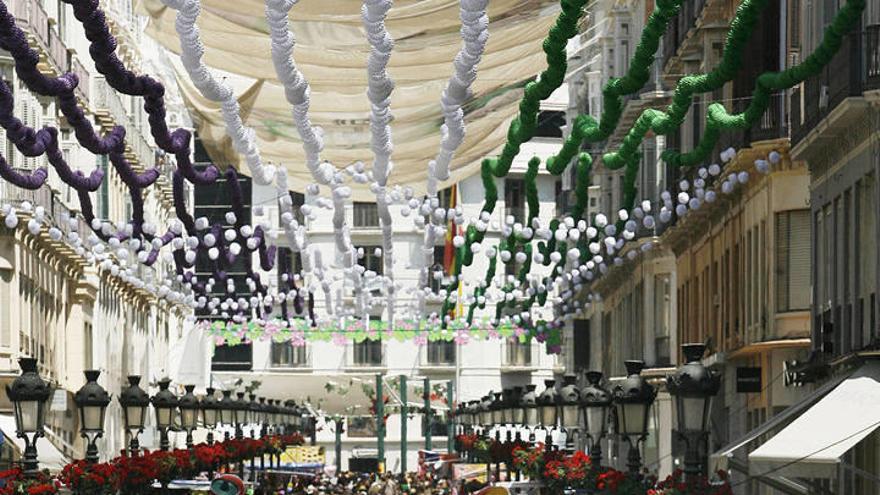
58, 306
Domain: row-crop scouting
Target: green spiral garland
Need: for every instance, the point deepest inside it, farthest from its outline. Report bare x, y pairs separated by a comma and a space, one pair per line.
717, 118
586, 128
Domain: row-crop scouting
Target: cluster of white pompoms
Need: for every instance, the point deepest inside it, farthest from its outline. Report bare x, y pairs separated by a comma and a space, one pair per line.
691, 195
191, 52
474, 34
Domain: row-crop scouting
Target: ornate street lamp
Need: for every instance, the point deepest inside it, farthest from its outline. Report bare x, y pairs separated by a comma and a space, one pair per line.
210, 412
693, 386
518, 413
547, 403
486, 412
273, 414
254, 413
264, 417
633, 397
134, 401
569, 408
29, 395
595, 401
189, 413
227, 406
507, 406
497, 411
91, 400
240, 414
165, 404
569, 403
529, 403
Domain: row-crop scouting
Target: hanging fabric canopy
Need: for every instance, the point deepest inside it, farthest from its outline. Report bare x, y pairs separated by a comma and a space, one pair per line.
332, 50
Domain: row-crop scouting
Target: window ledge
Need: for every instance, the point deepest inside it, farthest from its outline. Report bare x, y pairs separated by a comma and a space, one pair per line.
355, 368
296, 370
436, 367
510, 368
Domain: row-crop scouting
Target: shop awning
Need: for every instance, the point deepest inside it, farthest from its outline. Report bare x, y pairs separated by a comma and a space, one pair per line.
811, 445
49, 456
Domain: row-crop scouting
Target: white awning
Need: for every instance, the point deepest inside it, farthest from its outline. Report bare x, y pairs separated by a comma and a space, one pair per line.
49, 456
811, 446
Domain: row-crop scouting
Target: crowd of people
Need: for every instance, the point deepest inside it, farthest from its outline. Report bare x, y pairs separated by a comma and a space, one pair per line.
350, 483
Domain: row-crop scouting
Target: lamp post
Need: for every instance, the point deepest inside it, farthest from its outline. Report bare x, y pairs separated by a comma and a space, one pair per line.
569, 408
91, 400
210, 411
547, 410
486, 413
29, 394
633, 397
595, 401
529, 405
189, 413
227, 406
240, 414
253, 408
134, 401
165, 404
693, 386
497, 413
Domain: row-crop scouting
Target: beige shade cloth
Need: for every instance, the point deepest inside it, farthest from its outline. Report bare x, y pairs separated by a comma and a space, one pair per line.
331, 51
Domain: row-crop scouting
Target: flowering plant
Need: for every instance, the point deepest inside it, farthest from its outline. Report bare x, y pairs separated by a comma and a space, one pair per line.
674, 484
135, 475
466, 442
15, 483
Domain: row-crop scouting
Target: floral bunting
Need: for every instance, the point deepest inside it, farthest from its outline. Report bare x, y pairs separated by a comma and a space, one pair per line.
297, 331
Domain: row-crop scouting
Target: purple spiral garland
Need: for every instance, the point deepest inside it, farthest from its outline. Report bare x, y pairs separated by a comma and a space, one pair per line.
33, 142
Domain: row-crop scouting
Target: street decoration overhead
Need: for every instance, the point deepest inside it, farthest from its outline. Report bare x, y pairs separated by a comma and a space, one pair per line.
580, 251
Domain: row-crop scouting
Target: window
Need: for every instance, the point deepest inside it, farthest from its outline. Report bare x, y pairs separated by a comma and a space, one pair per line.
297, 202
289, 262
439, 427
362, 426
512, 267
550, 123
515, 198
372, 262
662, 317
366, 215
440, 353
581, 345
445, 197
793, 260
367, 353
518, 353
104, 189
88, 360
232, 357
438, 265
286, 355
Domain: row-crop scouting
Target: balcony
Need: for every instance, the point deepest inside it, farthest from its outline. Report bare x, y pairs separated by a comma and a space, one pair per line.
56, 58
111, 110
56, 211
853, 69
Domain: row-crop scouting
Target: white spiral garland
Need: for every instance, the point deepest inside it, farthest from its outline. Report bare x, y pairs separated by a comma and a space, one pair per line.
474, 35
380, 87
191, 52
